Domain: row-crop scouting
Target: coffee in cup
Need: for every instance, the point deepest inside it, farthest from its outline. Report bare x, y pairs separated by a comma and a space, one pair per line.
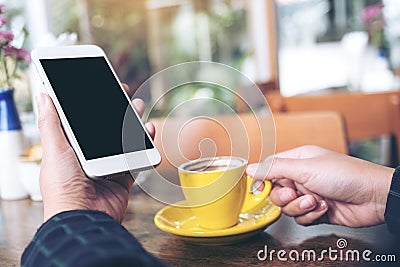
217, 190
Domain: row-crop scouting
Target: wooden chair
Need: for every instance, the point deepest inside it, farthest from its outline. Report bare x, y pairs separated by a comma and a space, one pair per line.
180, 140
366, 116
325, 129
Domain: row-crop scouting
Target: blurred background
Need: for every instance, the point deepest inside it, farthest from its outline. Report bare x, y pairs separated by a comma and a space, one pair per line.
288, 46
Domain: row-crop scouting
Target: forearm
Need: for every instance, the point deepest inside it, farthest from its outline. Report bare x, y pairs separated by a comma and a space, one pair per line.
85, 238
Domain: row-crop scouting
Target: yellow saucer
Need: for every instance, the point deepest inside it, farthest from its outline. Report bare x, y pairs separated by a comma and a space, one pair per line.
181, 222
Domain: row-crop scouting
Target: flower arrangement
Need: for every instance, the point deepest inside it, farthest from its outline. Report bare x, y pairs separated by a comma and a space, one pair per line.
12, 58
374, 22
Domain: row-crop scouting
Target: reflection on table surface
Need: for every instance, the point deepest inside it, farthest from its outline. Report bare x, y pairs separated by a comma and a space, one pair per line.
20, 219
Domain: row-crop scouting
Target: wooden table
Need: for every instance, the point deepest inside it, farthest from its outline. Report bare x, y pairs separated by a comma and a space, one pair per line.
20, 219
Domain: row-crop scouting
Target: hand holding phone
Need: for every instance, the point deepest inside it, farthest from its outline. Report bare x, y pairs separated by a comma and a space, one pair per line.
64, 185
95, 112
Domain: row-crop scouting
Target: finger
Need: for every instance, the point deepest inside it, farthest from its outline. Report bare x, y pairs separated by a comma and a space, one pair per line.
300, 206
257, 184
315, 216
307, 151
279, 165
293, 169
127, 89
285, 183
296, 170
139, 106
281, 196
151, 129
52, 135
260, 170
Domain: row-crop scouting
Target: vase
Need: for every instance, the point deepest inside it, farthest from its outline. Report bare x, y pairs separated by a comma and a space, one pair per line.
12, 145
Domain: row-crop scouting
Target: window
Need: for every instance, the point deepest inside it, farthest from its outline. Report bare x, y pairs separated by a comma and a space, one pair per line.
142, 37
325, 44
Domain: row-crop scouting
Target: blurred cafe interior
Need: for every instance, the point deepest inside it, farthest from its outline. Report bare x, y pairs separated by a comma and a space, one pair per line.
322, 72
294, 50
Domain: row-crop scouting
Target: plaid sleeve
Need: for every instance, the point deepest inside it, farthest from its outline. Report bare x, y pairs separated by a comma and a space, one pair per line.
392, 217
85, 238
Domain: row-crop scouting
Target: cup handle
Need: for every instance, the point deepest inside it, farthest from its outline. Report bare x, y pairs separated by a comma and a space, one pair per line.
252, 200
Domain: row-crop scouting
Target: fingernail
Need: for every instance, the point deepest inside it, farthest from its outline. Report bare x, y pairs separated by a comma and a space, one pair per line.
255, 186
306, 204
322, 205
285, 196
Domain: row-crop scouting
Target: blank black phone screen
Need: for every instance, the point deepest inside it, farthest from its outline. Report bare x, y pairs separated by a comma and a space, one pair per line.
95, 107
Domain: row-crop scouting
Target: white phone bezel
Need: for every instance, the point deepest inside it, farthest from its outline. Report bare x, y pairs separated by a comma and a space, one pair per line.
105, 166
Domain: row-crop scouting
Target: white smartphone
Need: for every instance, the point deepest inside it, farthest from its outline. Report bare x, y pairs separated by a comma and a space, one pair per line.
98, 118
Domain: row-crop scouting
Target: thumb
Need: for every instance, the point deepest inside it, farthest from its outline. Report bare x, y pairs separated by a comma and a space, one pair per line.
52, 135
293, 169
259, 171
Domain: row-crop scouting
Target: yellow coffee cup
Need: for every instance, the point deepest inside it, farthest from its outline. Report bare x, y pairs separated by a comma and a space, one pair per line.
217, 190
